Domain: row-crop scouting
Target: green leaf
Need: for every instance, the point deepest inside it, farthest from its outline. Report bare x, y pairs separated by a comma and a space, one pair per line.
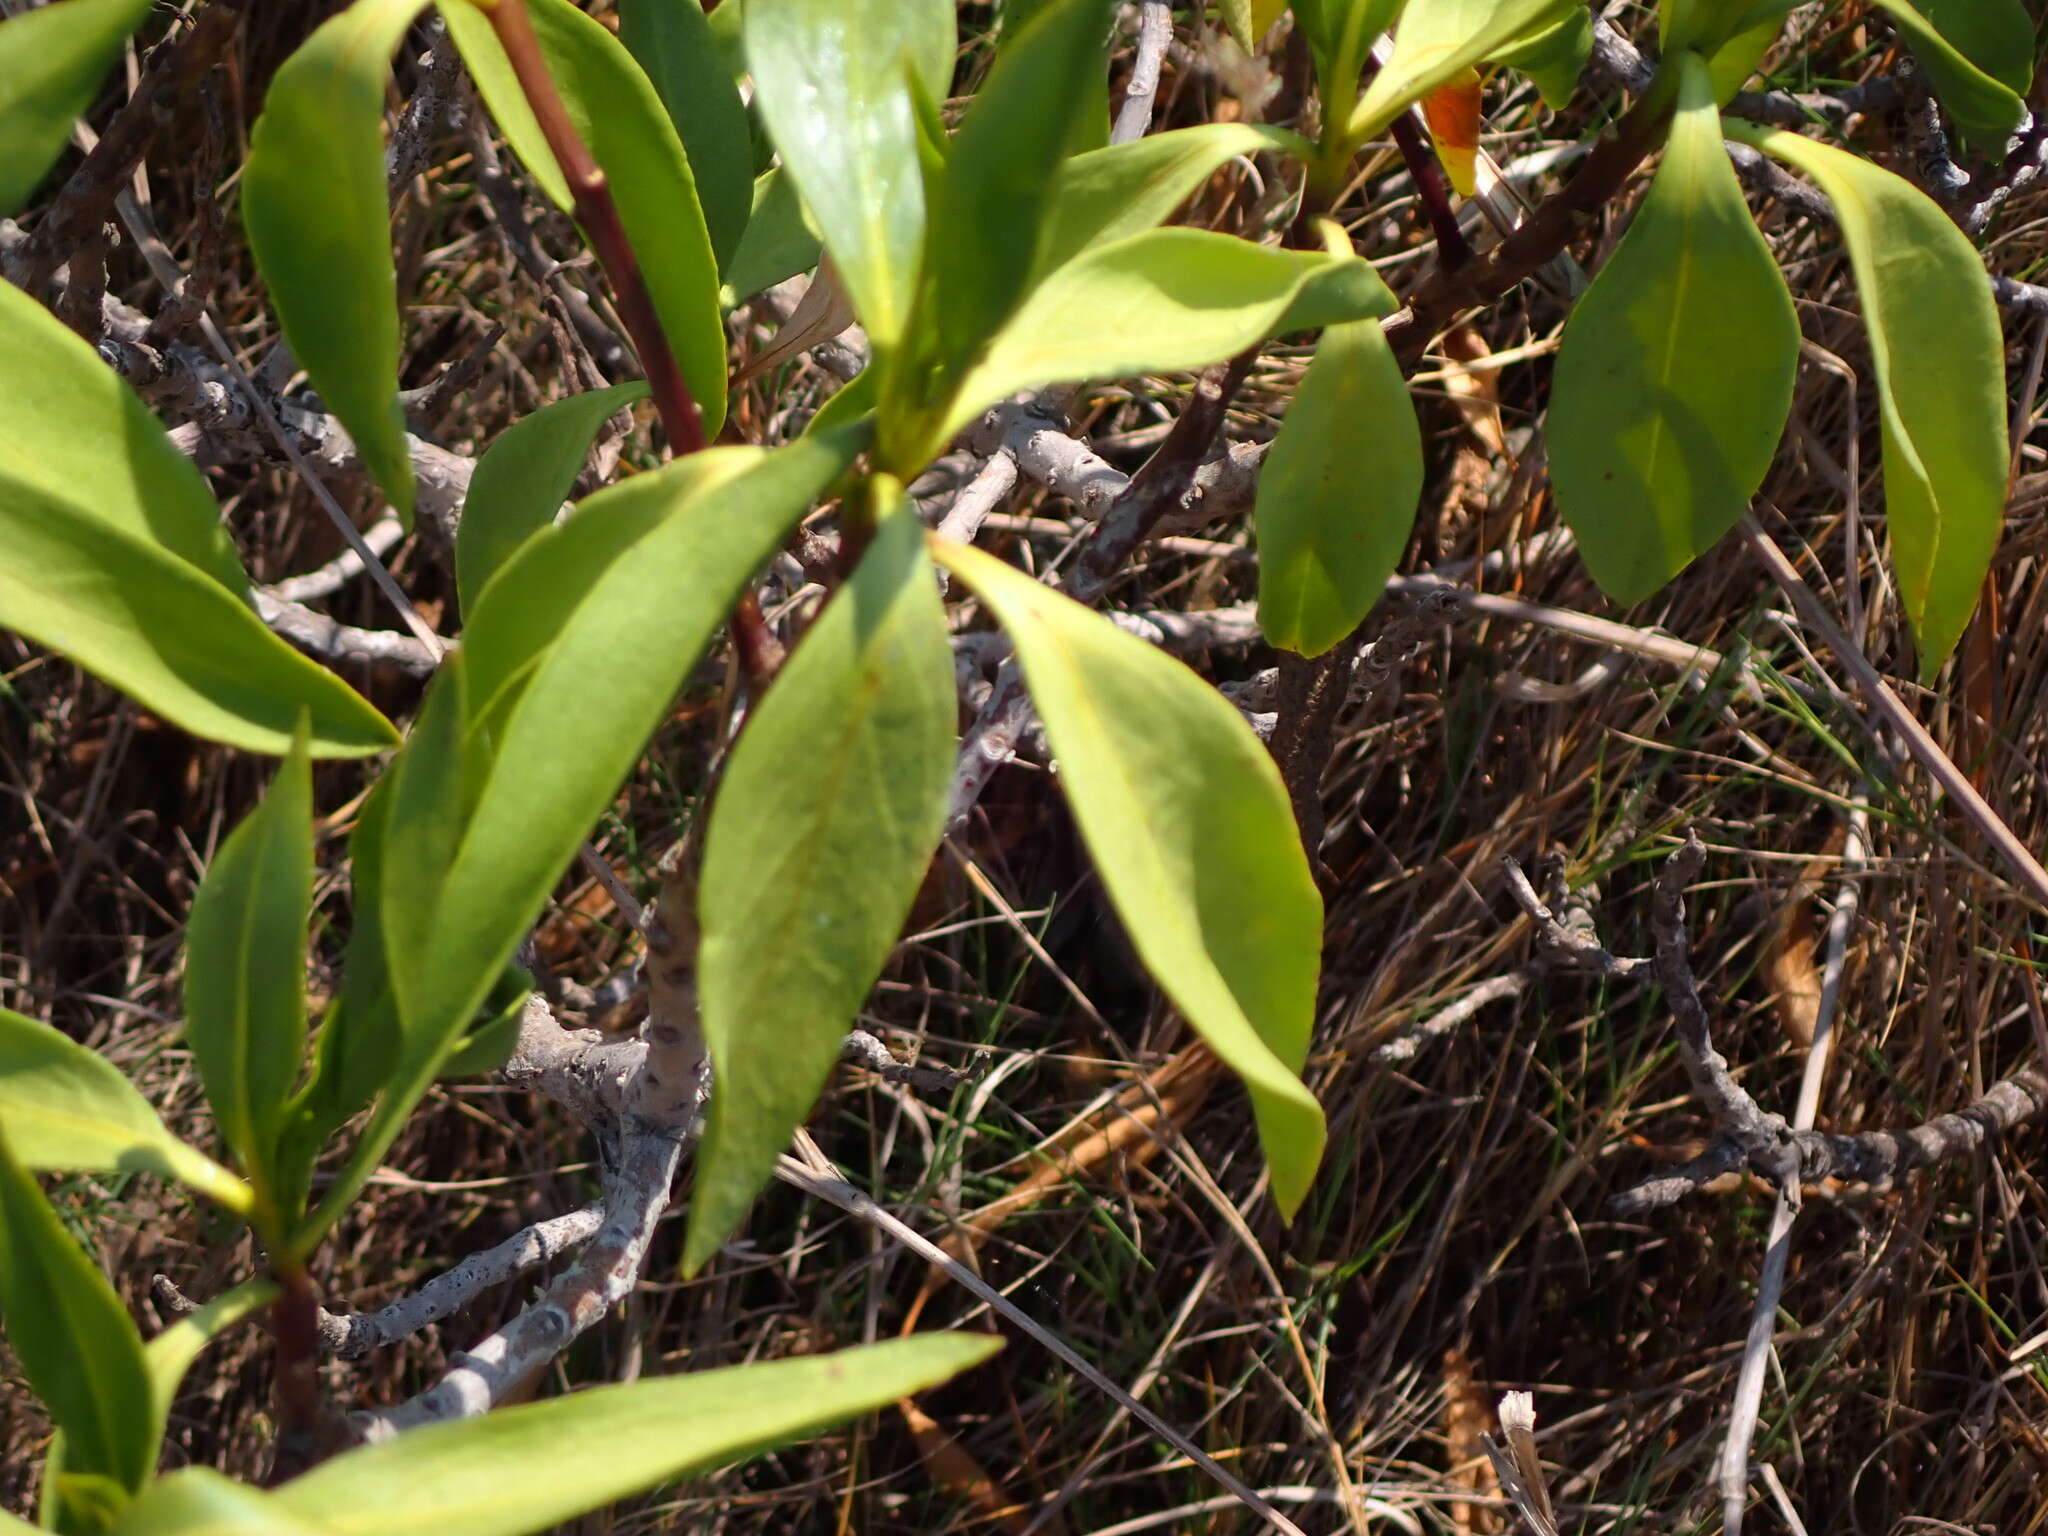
319, 222
829, 80
832, 805
245, 969
1995, 35
64, 1107
526, 474
51, 64
614, 108
672, 41
1127, 189
1940, 356
778, 244
999, 180
360, 1039
1191, 832
198, 1501
1164, 300
1433, 41
534, 1466
72, 1337
639, 611
1340, 36
434, 783
1985, 109
170, 1354
1555, 57
112, 551
1675, 374
527, 607
1338, 492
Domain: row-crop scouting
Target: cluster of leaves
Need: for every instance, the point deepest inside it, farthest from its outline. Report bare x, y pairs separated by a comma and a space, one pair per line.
1017, 251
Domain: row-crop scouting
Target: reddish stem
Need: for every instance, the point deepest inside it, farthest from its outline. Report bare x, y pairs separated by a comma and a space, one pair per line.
599, 216
760, 652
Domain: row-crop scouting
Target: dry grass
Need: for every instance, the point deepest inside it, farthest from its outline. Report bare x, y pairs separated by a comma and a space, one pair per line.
1458, 1241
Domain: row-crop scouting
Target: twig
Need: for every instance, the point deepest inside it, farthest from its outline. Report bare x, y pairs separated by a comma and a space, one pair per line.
636, 1195
1733, 1472
826, 1184
353, 1335
1887, 705
1141, 93
1747, 1136
330, 641
865, 1050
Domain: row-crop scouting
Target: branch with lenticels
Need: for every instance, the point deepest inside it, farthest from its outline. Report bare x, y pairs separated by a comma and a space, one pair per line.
1746, 1135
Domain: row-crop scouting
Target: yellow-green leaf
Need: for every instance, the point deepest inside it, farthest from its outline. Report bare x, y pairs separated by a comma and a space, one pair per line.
63, 1107
831, 80
1338, 492
1940, 356
1675, 374
1163, 300
245, 969
51, 63
319, 222
1191, 831
532, 1467
72, 1337
526, 474
1986, 108
112, 551
1434, 40
832, 805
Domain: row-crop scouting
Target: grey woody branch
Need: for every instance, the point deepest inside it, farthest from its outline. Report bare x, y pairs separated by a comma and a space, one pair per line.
353, 1335
1748, 1137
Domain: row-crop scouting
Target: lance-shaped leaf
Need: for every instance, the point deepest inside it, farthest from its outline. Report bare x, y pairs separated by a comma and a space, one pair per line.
526, 474
672, 41
1000, 176
319, 222
112, 551
72, 1337
51, 63
170, 1354
639, 612
1340, 36
67, 1108
1995, 35
198, 1501
1984, 107
831, 82
245, 968
532, 1467
1166, 299
1675, 374
533, 599
1191, 832
1338, 492
1555, 57
1126, 189
778, 244
615, 110
820, 836
1434, 41
1940, 356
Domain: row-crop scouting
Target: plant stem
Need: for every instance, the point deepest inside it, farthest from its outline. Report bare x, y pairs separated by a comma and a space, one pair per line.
295, 1329
759, 651
1433, 306
599, 216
